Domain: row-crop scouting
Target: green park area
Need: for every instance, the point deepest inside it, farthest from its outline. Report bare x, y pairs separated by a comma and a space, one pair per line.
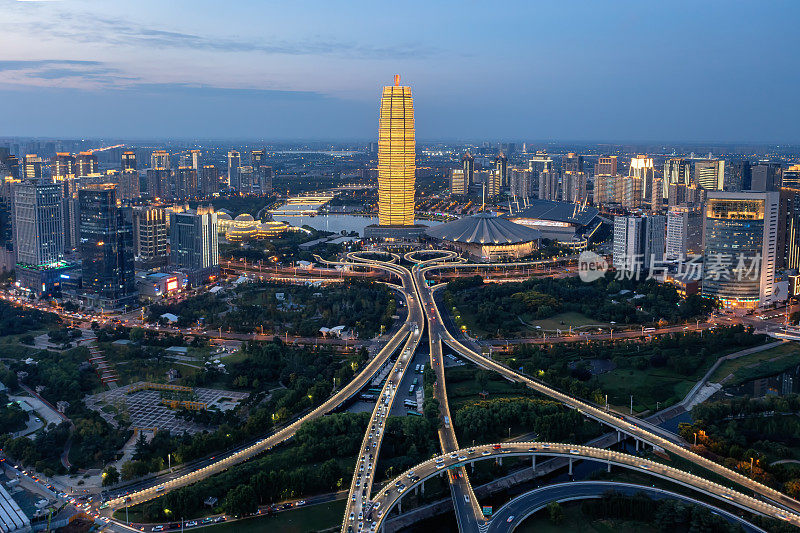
757, 365
501, 310
318, 517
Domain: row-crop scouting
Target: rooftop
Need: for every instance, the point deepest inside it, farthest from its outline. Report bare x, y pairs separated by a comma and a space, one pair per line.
557, 211
484, 228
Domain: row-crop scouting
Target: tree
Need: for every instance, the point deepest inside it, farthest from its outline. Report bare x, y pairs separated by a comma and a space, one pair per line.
241, 501
556, 512
110, 475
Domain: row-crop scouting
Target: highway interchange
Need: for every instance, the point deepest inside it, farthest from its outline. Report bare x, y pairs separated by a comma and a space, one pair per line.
422, 308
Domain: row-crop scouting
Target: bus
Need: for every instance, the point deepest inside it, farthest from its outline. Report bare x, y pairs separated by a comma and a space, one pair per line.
410, 403
374, 391
414, 413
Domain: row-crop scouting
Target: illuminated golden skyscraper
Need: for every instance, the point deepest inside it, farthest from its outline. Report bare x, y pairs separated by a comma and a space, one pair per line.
396, 156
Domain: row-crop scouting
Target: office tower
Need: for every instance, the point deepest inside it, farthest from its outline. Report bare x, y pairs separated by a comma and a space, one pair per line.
606, 165
684, 232
790, 178
501, 165
158, 183
508, 148
159, 160
710, 174
677, 170
521, 183
128, 161
85, 164
31, 168
494, 184
194, 246
604, 189
128, 185
458, 183
209, 180
150, 236
739, 176
740, 237
63, 166
468, 167
656, 199
627, 190
372, 147
9, 167
642, 168
396, 156
572, 163
246, 179
549, 185
539, 163
39, 236
106, 248
573, 187
185, 182
234, 162
789, 228
263, 179
765, 177
638, 242
196, 160
257, 158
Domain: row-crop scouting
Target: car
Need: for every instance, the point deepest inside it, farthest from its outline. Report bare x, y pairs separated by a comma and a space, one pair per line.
471, 451
466, 498
496, 446
439, 466
301, 502
191, 523
510, 519
206, 520
574, 452
410, 474
219, 519
454, 455
360, 515
486, 452
158, 528
462, 457
353, 499
533, 449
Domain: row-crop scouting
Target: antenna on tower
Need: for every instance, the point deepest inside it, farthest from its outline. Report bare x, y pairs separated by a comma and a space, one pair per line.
397, 80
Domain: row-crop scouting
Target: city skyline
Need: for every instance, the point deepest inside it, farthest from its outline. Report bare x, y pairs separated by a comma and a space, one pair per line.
612, 72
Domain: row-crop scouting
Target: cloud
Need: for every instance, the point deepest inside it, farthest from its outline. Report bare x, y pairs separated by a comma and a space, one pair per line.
38, 63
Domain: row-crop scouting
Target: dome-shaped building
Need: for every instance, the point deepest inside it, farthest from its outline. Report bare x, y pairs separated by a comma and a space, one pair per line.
243, 228
271, 228
224, 221
486, 237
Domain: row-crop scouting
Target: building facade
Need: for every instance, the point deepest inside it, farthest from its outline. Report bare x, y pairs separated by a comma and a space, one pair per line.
150, 236
396, 156
194, 244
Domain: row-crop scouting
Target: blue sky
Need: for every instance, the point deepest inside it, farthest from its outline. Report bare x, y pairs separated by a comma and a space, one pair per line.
722, 71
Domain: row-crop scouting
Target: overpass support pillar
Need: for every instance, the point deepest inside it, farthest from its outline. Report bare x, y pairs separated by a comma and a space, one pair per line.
400, 506
570, 466
608, 466
472, 468
533, 463
500, 461
619, 437
637, 444
422, 488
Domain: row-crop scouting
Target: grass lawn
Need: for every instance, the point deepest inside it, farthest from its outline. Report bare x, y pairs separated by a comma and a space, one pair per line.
462, 387
569, 319
647, 386
575, 522
311, 518
758, 364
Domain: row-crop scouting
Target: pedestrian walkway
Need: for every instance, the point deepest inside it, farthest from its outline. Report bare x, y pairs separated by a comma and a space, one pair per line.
105, 371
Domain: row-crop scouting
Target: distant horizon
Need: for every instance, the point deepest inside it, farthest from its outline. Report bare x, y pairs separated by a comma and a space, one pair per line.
314, 70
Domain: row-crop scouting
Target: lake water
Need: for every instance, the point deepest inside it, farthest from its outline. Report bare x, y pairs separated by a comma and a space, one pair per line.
338, 223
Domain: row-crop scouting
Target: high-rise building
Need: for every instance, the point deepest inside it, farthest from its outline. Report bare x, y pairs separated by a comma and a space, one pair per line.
160, 160
468, 166
638, 242
128, 161
684, 232
158, 183
264, 179
458, 182
396, 156
257, 158
128, 184
63, 166
194, 245
740, 238
150, 236
790, 178
606, 165
209, 180
106, 248
573, 187
185, 182
539, 163
501, 166
196, 160
39, 236
31, 167
677, 170
234, 162
246, 179
789, 228
85, 164
572, 163
495, 183
710, 174
642, 168
549, 185
739, 176
765, 177
604, 189
521, 183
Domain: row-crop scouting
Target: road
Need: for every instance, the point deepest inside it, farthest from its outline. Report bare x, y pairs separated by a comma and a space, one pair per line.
387, 498
358, 498
513, 513
284, 434
625, 424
